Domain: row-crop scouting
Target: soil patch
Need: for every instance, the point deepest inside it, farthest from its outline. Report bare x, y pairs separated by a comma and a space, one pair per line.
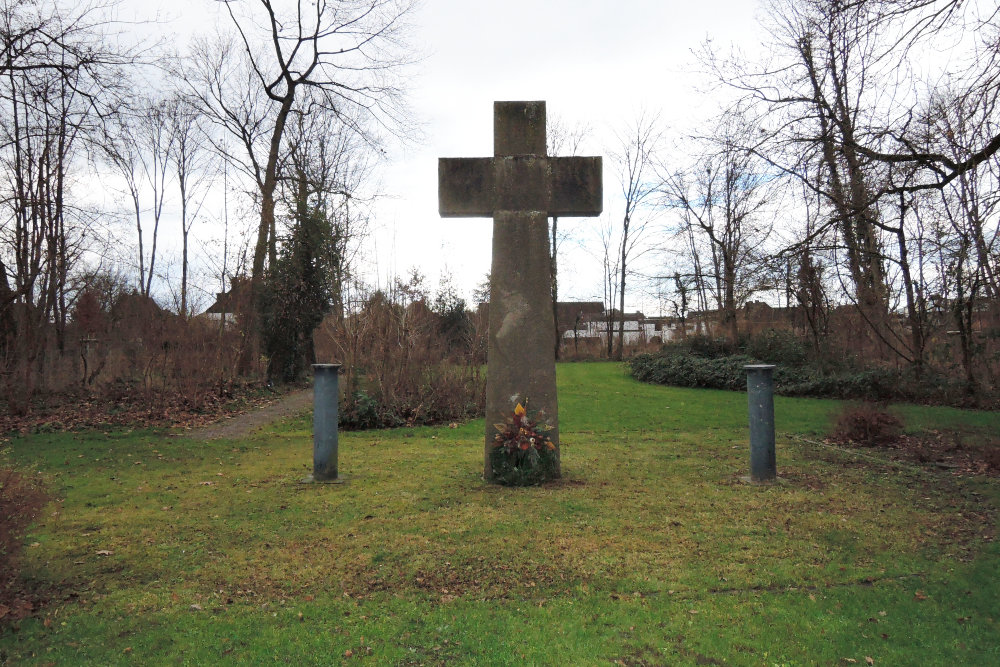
21, 499
190, 411
963, 454
293, 404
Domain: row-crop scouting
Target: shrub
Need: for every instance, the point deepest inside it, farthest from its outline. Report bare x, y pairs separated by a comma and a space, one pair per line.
682, 369
359, 411
399, 370
866, 424
777, 347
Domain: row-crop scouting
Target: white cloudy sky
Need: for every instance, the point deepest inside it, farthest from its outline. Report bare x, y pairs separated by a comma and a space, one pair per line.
595, 62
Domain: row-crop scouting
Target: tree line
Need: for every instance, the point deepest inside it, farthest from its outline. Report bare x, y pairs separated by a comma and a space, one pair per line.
288, 105
853, 166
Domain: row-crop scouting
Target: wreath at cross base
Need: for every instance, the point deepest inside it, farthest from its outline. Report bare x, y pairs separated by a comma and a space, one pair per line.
523, 453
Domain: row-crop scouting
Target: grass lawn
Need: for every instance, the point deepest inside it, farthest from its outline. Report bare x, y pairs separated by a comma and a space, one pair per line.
158, 548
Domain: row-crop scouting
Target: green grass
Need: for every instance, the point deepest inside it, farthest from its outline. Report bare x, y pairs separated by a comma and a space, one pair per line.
649, 551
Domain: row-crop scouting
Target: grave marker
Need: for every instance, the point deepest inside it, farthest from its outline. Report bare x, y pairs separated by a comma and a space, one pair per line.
520, 187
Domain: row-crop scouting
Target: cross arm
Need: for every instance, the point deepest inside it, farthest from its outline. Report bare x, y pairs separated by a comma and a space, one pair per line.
577, 187
465, 187
559, 186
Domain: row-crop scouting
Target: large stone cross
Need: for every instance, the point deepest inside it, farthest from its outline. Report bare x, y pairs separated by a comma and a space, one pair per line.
520, 187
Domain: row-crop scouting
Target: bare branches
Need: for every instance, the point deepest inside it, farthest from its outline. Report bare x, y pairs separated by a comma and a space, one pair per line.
722, 199
344, 57
634, 158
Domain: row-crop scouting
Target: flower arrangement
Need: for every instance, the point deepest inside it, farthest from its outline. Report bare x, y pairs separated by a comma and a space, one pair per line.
523, 452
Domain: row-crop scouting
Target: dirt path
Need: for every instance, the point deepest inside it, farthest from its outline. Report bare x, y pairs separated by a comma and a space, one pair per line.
237, 426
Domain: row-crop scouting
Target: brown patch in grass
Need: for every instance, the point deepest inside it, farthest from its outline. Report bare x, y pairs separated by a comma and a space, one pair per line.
808, 481
73, 411
21, 498
867, 425
564, 483
961, 454
479, 577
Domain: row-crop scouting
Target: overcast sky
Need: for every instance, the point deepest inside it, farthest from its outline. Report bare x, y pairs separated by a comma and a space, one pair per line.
595, 63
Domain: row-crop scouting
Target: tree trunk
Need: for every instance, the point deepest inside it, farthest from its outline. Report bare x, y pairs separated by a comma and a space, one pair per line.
555, 286
264, 247
914, 313
621, 299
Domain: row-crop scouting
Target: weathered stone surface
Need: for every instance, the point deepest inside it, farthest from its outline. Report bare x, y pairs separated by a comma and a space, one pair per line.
521, 183
520, 187
560, 186
465, 187
518, 128
576, 187
521, 359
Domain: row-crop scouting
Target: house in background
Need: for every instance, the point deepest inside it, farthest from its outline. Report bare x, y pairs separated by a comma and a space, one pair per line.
571, 315
588, 321
229, 304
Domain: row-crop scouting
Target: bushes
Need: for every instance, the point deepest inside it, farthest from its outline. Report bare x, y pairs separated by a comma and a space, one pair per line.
876, 384
867, 425
701, 362
400, 366
682, 370
428, 396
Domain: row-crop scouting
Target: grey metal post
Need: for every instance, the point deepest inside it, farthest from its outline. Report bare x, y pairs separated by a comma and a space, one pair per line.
760, 399
325, 393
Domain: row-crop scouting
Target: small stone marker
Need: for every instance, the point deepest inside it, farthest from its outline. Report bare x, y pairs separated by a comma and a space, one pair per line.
325, 397
760, 400
520, 187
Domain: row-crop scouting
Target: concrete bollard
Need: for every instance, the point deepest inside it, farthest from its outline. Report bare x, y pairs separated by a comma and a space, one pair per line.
760, 399
325, 397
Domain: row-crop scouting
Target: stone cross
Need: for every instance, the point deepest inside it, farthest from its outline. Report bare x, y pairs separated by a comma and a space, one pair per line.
520, 187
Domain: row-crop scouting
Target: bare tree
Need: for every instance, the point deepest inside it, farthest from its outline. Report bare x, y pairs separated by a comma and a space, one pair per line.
966, 234
57, 73
634, 159
140, 148
817, 100
564, 141
844, 111
808, 285
348, 53
913, 27
191, 161
724, 195
610, 275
